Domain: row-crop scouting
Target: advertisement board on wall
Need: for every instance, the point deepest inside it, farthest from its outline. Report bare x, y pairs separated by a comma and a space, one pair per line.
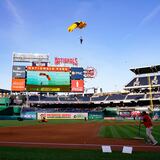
29, 115
18, 71
30, 57
46, 79
18, 68
77, 85
77, 73
40, 64
18, 85
18, 74
62, 115
95, 115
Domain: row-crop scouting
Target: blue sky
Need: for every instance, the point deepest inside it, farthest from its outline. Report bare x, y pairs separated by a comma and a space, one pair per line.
120, 34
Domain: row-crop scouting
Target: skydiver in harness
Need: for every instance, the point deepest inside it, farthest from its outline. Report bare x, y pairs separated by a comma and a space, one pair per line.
81, 40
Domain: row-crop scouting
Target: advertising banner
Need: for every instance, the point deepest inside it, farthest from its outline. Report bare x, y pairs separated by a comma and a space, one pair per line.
18, 85
62, 115
95, 115
18, 71
18, 74
40, 64
48, 81
29, 115
77, 73
77, 85
90, 72
19, 68
30, 57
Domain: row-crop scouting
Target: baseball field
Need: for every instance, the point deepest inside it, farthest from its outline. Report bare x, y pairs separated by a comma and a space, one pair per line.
75, 139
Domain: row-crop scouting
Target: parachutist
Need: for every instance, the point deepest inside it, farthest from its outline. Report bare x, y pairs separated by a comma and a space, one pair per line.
75, 25
81, 40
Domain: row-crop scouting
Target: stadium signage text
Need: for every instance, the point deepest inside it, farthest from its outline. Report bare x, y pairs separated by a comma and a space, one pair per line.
77, 85
29, 115
77, 73
62, 115
29, 57
73, 61
18, 72
90, 72
42, 68
18, 84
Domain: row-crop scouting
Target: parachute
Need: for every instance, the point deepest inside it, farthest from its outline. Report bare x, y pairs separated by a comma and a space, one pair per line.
75, 25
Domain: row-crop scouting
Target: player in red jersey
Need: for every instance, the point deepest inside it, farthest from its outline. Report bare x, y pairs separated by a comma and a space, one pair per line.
146, 120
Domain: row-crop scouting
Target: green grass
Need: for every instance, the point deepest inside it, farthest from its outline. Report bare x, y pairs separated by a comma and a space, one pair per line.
16, 153
115, 130
127, 131
8, 123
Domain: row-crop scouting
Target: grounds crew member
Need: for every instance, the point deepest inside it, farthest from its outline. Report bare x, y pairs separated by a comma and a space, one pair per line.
146, 120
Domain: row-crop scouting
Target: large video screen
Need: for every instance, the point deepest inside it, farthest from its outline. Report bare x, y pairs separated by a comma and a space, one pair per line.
38, 81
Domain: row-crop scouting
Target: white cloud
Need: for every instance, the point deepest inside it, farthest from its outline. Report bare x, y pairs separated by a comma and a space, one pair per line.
144, 21
150, 16
14, 11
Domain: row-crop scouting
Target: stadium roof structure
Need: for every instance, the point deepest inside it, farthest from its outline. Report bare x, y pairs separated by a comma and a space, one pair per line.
146, 70
4, 91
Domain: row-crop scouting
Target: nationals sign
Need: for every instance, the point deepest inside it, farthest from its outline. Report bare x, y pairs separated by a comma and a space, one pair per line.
73, 61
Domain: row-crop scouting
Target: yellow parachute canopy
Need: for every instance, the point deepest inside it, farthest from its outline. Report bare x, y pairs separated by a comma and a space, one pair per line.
75, 25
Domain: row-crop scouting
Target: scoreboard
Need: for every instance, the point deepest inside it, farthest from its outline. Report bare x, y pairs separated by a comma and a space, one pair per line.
47, 79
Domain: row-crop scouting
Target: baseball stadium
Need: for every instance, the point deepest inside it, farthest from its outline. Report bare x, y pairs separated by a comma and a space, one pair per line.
48, 114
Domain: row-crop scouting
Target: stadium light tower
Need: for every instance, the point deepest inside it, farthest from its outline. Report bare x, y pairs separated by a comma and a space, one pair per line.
150, 93
154, 69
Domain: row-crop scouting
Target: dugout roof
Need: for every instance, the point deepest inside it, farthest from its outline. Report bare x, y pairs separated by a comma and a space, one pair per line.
145, 70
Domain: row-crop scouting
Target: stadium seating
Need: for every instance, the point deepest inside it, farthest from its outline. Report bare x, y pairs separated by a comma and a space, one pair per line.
114, 97
98, 98
33, 98
154, 95
144, 81
83, 98
67, 98
46, 98
135, 96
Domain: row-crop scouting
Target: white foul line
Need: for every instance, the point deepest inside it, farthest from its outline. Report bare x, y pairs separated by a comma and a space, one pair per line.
72, 144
